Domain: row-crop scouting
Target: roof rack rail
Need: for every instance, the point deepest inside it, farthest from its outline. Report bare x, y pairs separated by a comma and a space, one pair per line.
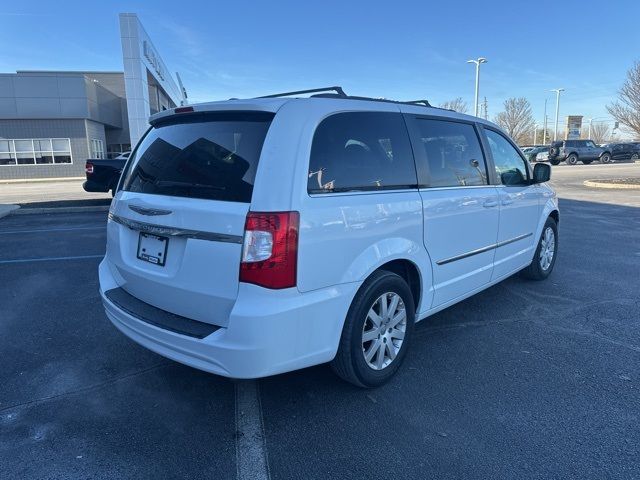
336, 89
418, 102
338, 92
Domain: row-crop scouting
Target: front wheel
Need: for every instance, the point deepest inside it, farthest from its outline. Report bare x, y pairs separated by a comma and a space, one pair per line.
572, 159
605, 158
376, 332
545, 257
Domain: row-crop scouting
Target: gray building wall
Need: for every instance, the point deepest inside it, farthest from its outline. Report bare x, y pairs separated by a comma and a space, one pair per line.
74, 129
75, 105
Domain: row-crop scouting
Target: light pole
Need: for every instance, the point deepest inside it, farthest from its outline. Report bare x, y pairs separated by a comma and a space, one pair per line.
557, 90
477, 62
544, 129
535, 134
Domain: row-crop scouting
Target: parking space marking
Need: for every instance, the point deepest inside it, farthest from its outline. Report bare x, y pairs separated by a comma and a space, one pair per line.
47, 230
50, 259
251, 451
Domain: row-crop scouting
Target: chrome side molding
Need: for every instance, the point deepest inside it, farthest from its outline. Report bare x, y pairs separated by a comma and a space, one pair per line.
483, 249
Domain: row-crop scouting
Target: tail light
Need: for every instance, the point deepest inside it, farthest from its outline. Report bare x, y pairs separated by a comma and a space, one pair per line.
270, 249
88, 168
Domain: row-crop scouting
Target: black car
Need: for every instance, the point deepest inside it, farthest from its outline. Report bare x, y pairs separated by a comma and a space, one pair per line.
623, 151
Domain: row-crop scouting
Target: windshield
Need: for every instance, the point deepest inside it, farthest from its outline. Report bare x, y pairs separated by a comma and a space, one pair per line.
212, 156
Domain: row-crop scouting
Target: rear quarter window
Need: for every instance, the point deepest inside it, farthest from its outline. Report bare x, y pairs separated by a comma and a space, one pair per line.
211, 156
354, 151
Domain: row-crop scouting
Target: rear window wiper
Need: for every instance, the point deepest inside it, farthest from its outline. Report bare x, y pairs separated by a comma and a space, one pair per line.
171, 183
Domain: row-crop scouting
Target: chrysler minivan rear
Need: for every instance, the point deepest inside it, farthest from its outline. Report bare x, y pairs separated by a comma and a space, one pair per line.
193, 270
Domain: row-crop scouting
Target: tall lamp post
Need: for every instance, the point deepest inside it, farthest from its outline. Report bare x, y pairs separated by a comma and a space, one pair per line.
557, 90
477, 62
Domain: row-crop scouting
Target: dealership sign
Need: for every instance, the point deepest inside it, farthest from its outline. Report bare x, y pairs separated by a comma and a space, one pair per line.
153, 59
573, 127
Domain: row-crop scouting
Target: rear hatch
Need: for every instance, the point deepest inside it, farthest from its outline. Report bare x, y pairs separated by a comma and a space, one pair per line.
175, 230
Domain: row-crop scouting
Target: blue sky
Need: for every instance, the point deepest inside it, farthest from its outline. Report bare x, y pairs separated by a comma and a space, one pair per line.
393, 49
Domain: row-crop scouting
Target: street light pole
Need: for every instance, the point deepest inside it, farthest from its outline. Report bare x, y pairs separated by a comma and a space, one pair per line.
477, 62
544, 129
557, 90
535, 134
590, 122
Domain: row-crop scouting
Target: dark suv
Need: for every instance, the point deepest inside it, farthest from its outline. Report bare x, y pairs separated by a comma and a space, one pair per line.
623, 151
572, 151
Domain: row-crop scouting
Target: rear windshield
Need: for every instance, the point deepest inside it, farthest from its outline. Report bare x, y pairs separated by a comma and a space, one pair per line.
212, 156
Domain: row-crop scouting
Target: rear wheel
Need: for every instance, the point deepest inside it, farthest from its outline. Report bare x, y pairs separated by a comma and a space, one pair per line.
376, 332
545, 257
635, 156
572, 159
605, 158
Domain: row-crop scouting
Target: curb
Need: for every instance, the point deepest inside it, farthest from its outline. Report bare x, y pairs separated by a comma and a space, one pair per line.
8, 210
34, 211
41, 180
611, 186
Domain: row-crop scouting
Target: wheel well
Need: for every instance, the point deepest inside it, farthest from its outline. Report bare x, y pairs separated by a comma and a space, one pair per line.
409, 272
556, 216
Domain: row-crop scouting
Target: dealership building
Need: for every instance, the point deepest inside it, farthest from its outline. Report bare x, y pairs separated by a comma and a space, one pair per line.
52, 121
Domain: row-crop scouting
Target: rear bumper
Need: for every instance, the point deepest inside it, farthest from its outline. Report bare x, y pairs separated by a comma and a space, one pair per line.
90, 186
269, 331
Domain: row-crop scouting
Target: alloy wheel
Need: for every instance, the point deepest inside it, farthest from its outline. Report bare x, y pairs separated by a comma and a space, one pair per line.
547, 249
383, 330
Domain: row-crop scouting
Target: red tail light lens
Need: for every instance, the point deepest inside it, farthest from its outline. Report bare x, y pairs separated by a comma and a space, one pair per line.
88, 168
270, 249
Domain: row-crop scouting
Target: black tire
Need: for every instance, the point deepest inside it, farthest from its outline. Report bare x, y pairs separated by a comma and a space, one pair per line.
587, 162
572, 159
535, 271
350, 363
554, 162
605, 158
635, 156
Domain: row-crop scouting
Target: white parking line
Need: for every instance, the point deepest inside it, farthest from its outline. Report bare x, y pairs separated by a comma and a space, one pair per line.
50, 259
44, 230
251, 451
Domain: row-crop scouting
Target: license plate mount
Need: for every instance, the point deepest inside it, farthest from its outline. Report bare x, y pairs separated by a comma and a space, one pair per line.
152, 248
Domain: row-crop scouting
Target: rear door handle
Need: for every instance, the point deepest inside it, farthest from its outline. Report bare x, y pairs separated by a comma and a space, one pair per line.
490, 203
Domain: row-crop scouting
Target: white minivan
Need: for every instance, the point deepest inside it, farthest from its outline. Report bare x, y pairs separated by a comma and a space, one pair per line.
253, 237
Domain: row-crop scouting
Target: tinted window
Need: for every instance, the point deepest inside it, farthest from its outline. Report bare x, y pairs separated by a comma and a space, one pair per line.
510, 166
361, 151
212, 156
453, 153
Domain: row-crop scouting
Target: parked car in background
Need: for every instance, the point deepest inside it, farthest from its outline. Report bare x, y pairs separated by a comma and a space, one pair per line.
573, 151
623, 151
103, 174
253, 237
532, 153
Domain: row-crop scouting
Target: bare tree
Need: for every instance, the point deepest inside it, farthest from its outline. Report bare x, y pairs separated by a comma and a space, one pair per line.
600, 132
516, 119
457, 105
627, 109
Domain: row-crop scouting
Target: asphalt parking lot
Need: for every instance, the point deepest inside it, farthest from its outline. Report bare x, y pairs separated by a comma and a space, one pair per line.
524, 380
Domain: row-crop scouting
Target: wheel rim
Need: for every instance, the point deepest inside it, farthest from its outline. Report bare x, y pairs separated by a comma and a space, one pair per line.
548, 248
383, 331
634, 156
605, 159
572, 160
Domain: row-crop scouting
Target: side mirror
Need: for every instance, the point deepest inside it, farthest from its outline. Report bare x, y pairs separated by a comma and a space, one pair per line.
541, 173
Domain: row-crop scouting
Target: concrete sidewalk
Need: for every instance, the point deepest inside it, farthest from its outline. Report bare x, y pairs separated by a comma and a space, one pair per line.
49, 191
